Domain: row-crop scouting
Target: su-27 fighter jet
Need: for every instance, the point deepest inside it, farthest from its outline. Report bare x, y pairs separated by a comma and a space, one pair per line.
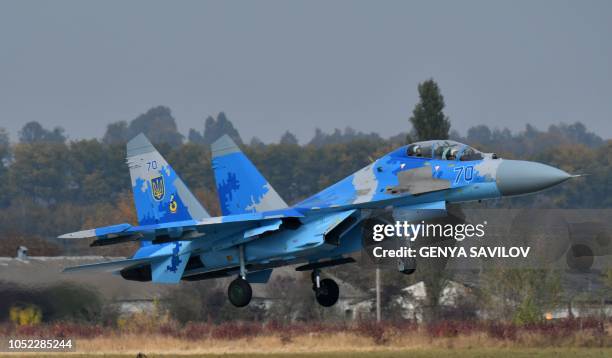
259, 231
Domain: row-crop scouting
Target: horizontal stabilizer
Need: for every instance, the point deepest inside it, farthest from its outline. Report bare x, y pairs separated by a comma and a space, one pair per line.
110, 266
101, 232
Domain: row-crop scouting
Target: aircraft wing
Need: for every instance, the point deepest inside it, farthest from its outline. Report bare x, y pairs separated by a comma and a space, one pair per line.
210, 228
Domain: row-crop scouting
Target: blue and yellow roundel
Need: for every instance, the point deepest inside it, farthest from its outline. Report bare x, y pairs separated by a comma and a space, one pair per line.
173, 205
158, 187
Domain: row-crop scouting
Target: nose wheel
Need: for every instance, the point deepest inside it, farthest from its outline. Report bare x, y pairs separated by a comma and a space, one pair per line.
326, 290
239, 292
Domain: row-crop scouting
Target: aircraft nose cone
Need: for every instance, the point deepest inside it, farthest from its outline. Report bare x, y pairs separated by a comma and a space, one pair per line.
515, 177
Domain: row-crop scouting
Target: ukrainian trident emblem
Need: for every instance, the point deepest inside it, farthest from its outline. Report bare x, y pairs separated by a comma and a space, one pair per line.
158, 188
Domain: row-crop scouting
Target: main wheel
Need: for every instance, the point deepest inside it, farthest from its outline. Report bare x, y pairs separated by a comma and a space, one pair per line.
328, 292
239, 292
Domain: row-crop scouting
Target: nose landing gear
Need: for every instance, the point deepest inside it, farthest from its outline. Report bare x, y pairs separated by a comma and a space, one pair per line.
326, 290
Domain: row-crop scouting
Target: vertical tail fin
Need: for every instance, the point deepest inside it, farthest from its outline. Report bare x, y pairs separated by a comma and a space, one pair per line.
160, 195
240, 186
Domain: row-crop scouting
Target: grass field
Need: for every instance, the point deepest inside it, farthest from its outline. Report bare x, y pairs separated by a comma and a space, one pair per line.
412, 353
557, 340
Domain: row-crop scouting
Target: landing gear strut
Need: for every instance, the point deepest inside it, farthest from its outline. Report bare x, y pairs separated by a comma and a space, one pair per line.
326, 290
239, 291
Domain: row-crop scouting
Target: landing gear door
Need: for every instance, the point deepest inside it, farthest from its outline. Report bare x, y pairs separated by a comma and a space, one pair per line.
419, 212
414, 214
405, 265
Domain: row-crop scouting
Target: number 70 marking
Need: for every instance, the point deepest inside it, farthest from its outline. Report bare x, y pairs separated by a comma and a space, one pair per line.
467, 173
151, 165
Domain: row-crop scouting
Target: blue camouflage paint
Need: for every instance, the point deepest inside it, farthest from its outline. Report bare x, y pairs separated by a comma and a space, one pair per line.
175, 261
251, 207
385, 171
240, 187
113, 229
151, 210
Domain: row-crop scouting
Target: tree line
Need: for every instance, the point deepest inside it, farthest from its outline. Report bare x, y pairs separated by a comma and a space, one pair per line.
50, 185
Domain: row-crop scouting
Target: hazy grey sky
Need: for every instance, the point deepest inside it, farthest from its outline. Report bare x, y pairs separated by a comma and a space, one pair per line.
278, 65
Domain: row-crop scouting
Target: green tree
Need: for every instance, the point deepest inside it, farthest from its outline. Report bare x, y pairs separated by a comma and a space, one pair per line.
95, 174
428, 119
213, 129
337, 136
5, 150
4, 144
195, 137
192, 162
116, 133
520, 295
480, 134
288, 138
33, 132
157, 124
40, 171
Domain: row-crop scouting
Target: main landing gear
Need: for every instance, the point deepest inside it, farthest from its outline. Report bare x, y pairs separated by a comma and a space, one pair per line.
239, 291
326, 290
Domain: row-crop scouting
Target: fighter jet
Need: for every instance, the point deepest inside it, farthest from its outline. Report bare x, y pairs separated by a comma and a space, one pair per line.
258, 231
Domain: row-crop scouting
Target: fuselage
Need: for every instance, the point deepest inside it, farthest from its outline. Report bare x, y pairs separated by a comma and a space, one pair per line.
421, 173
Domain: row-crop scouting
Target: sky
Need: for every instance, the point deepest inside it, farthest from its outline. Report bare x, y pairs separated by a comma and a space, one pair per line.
273, 66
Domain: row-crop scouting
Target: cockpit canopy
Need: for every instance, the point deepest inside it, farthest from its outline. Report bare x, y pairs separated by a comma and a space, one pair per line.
443, 150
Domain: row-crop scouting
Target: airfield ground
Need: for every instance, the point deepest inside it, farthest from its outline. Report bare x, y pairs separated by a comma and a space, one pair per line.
345, 346
317, 341
412, 353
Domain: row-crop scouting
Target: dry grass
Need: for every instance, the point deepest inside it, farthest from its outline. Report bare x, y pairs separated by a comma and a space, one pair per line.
270, 344
131, 344
412, 353
481, 339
